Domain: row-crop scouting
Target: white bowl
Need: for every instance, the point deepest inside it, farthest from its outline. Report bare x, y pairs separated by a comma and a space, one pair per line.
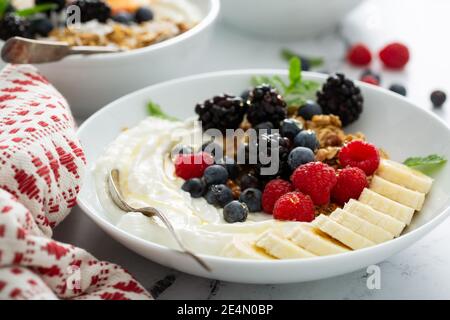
389, 120
286, 18
90, 82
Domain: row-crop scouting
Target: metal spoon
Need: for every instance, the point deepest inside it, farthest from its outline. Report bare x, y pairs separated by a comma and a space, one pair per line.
19, 50
116, 195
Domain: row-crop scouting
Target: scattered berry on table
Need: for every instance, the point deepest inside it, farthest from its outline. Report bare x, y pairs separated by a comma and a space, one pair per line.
290, 128
394, 55
93, 10
315, 179
340, 96
195, 186
294, 206
215, 174
265, 104
369, 72
299, 156
252, 198
359, 55
213, 149
249, 181
143, 14
360, 154
219, 195
14, 26
272, 147
307, 139
351, 181
398, 88
370, 79
41, 26
273, 191
123, 18
181, 149
231, 166
309, 109
188, 166
221, 112
235, 211
438, 98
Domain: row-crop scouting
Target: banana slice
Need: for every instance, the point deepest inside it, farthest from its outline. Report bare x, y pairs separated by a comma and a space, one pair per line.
410, 198
387, 206
384, 221
400, 174
341, 233
281, 248
241, 248
315, 241
361, 226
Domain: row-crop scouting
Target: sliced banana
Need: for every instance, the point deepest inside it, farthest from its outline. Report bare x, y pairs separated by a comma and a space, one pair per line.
384, 221
341, 233
400, 174
281, 248
407, 197
242, 248
315, 241
387, 206
361, 226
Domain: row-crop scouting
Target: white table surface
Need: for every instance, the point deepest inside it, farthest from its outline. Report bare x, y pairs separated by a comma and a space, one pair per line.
421, 271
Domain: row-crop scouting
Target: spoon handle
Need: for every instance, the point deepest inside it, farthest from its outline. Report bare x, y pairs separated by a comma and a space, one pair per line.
92, 50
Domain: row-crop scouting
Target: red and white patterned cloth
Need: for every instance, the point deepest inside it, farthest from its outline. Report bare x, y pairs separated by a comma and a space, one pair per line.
41, 168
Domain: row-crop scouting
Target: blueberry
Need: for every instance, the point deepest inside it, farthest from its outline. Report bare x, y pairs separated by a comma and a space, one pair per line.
299, 156
196, 187
181, 149
245, 94
143, 14
235, 211
438, 98
219, 195
267, 126
309, 109
369, 72
307, 139
398, 88
231, 166
42, 26
249, 181
123, 18
252, 198
306, 64
213, 149
290, 128
215, 174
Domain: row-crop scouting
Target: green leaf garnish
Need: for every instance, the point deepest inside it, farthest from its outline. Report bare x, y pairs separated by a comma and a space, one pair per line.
36, 9
313, 61
154, 110
295, 74
425, 164
3, 6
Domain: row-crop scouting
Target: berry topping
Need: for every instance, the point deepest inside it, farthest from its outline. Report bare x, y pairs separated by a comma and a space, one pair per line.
360, 154
123, 17
196, 187
398, 88
221, 112
215, 174
213, 149
265, 104
309, 109
394, 55
438, 98
14, 26
273, 191
370, 79
235, 211
290, 128
143, 14
231, 166
273, 151
252, 198
219, 195
268, 126
359, 55
315, 179
41, 26
188, 166
340, 96
307, 139
351, 181
59, 3
93, 10
299, 156
249, 181
294, 206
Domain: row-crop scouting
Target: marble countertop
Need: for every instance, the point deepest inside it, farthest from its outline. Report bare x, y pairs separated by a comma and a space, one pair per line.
421, 271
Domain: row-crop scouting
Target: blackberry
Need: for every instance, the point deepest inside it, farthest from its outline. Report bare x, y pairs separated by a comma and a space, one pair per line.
340, 96
14, 26
93, 10
221, 112
60, 3
265, 104
270, 147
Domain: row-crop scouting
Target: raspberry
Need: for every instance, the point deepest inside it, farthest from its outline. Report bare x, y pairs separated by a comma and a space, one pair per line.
274, 189
351, 181
359, 55
370, 79
188, 166
394, 55
360, 154
315, 179
294, 206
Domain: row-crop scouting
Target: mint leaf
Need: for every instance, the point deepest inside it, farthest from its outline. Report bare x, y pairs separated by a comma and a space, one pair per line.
36, 9
295, 68
154, 110
425, 164
3, 6
287, 55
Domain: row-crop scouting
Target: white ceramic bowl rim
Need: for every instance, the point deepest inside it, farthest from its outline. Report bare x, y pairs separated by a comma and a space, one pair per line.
444, 211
